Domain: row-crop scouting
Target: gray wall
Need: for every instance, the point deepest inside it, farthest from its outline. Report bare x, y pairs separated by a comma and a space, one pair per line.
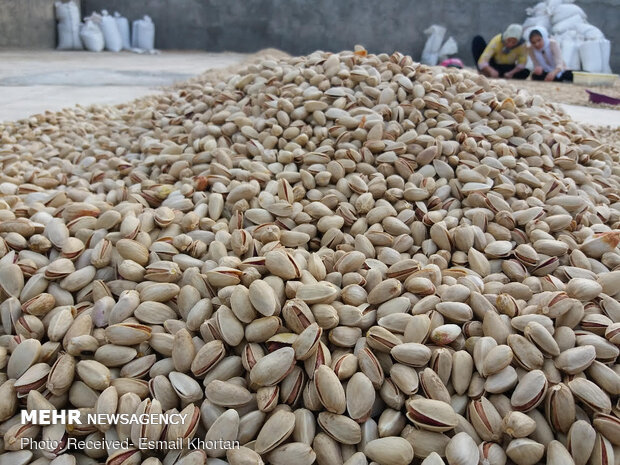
299, 26
27, 24
302, 26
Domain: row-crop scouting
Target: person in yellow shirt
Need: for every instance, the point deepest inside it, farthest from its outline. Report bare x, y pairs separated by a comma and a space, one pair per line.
504, 56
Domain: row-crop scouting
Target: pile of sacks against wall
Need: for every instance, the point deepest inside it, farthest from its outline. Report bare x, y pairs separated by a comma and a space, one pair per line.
583, 45
102, 31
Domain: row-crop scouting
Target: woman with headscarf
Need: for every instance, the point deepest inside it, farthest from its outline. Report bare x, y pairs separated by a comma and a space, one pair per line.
547, 57
504, 56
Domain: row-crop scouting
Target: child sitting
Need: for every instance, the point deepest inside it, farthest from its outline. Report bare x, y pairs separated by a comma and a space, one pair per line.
547, 58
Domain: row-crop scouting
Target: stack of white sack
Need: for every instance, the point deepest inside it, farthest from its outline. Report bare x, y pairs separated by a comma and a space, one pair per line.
583, 45
434, 51
102, 30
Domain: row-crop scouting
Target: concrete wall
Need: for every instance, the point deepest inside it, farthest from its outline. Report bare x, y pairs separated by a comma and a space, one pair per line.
299, 26
302, 26
27, 23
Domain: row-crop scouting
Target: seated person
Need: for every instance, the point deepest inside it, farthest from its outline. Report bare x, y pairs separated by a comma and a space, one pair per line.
504, 56
547, 58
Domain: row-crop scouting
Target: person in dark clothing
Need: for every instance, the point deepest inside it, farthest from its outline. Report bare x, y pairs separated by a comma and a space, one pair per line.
504, 56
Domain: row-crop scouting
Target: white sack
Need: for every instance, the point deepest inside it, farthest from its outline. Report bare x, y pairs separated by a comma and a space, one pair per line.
605, 55
68, 16
92, 37
590, 55
111, 35
540, 9
143, 34
430, 53
565, 11
552, 5
590, 32
123, 28
568, 24
449, 47
570, 52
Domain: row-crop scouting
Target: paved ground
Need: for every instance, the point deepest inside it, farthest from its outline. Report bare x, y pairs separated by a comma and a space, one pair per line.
594, 116
34, 81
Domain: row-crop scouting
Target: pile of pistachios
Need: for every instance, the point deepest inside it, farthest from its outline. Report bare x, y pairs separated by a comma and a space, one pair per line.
340, 258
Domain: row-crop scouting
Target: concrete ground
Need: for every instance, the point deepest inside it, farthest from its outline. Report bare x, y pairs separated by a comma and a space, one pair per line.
34, 81
593, 116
